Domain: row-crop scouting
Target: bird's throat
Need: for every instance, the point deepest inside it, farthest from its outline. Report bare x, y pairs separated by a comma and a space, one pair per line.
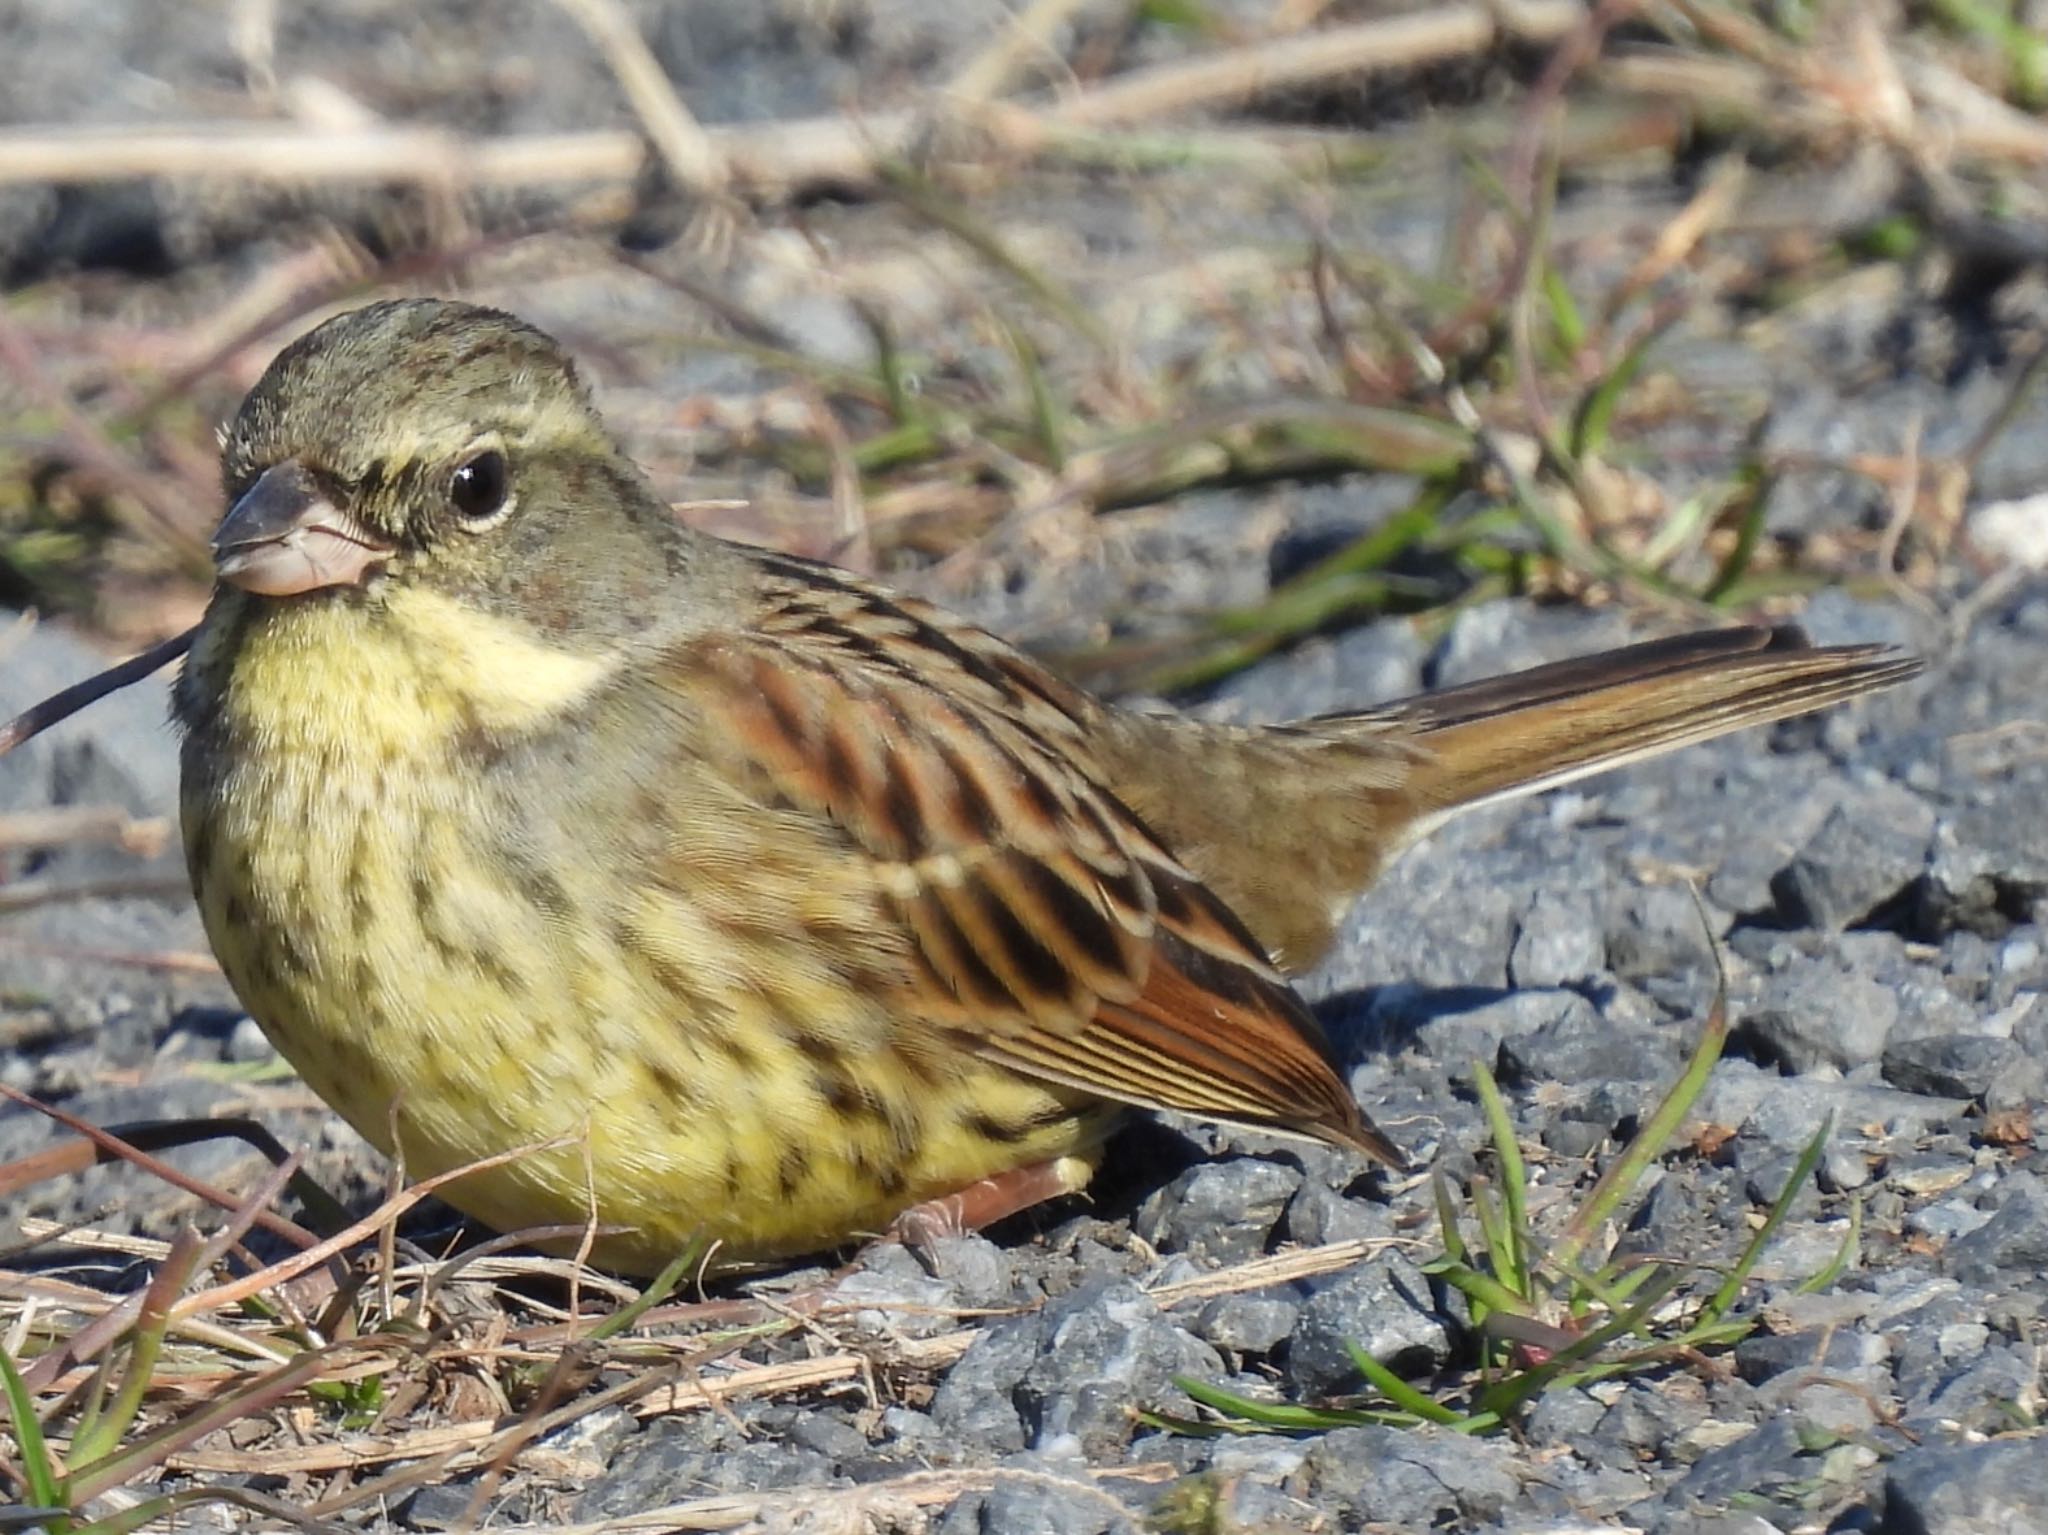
394, 677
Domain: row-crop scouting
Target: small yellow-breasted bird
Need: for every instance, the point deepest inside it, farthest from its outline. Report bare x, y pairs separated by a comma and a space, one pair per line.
517, 811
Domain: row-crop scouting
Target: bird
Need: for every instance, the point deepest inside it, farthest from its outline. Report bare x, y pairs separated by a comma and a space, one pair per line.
712, 895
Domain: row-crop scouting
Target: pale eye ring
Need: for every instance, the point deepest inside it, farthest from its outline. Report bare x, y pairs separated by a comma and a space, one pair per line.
480, 491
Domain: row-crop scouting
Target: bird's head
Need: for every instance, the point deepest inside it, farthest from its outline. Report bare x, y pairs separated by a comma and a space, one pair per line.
428, 444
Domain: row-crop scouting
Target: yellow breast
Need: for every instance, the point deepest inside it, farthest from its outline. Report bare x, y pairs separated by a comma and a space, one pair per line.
349, 855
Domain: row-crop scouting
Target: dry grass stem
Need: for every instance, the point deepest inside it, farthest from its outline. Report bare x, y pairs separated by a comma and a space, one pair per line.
33, 721
27, 894
1023, 40
763, 159
85, 825
1706, 211
1280, 1268
1236, 75
169, 961
690, 154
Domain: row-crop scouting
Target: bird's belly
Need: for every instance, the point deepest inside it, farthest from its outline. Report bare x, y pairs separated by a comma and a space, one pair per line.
454, 1010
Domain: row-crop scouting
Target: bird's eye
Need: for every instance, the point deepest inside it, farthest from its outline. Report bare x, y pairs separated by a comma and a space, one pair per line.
481, 491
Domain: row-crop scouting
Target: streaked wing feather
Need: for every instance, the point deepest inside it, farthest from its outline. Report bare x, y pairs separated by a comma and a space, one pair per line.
1048, 929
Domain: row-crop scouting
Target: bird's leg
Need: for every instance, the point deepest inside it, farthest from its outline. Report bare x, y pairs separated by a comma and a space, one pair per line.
987, 1201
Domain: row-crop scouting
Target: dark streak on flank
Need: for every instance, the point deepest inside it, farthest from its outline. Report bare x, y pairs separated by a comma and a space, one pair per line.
819, 1051
737, 1051
445, 949
791, 1171
290, 953
987, 1127
671, 977
1052, 1114
885, 1177
503, 975
846, 1098
543, 890
667, 1082
362, 910
915, 1064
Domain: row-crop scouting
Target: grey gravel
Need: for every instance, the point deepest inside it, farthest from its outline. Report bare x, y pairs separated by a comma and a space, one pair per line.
1866, 855
1976, 1489
1247, 1324
1383, 1307
2013, 1243
1972, 1066
1221, 1212
1420, 1479
1104, 1344
1817, 1014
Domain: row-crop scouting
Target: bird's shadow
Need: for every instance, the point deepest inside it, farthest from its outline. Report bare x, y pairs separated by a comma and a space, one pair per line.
1380, 1021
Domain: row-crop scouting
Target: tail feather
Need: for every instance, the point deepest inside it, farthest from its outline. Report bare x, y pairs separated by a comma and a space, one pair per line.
1585, 716
1287, 825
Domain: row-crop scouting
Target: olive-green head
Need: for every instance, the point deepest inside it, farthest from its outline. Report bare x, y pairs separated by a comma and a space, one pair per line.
429, 442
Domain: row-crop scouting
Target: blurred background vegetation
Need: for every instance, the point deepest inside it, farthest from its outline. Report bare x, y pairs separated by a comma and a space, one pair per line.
1160, 333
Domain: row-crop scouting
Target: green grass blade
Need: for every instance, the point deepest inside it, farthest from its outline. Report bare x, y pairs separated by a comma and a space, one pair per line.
1514, 1182
1809, 1159
1847, 1256
1594, 418
1395, 1389
1505, 1396
1482, 1289
1748, 533
1447, 1216
1627, 1170
45, 1487
88, 1481
1048, 420
1277, 1417
663, 1285
1566, 322
1493, 1230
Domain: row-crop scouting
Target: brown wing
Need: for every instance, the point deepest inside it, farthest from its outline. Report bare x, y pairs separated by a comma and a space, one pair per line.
1049, 929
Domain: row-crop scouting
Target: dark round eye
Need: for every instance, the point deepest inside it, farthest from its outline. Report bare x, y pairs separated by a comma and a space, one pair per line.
481, 488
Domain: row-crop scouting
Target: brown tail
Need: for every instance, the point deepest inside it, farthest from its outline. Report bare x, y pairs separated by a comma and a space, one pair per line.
1536, 729
1287, 830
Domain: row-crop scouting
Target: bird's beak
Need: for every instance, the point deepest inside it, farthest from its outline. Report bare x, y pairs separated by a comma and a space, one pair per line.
284, 537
